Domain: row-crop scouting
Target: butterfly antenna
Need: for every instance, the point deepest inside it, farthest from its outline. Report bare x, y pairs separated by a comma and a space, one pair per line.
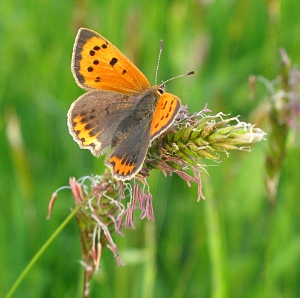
180, 76
159, 55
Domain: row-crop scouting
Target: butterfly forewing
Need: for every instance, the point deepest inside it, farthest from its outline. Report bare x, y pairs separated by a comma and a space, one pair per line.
98, 64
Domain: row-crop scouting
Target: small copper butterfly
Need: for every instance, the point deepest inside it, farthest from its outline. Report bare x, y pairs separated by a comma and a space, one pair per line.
121, 114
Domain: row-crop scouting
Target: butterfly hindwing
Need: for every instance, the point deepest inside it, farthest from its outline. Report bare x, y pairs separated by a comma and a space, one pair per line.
128, 157
94, 117
98, 64
132, 137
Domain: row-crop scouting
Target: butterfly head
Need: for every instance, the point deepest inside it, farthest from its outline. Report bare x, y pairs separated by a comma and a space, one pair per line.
161, 88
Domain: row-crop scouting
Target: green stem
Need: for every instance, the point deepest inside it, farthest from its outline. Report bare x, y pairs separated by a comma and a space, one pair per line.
215, 244
42, 250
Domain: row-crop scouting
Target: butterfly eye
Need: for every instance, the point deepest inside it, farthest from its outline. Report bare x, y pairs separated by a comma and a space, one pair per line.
160, 90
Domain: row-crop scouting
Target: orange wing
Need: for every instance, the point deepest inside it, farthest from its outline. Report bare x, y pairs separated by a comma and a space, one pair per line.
165, 113
98, 64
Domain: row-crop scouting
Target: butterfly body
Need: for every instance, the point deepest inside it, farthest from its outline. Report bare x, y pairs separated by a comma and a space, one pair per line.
121, 114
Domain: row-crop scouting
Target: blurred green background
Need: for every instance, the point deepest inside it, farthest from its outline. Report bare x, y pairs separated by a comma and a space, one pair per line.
230, 245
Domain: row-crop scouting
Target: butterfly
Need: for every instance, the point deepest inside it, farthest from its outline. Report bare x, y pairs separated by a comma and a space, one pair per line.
121, 114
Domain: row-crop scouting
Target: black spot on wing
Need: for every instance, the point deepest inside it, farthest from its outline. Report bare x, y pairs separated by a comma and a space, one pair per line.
113, 61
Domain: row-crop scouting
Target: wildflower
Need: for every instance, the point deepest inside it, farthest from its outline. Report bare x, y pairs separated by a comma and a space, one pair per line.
283, 117
109, 204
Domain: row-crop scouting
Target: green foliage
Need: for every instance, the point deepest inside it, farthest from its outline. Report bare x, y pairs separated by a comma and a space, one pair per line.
233, 244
